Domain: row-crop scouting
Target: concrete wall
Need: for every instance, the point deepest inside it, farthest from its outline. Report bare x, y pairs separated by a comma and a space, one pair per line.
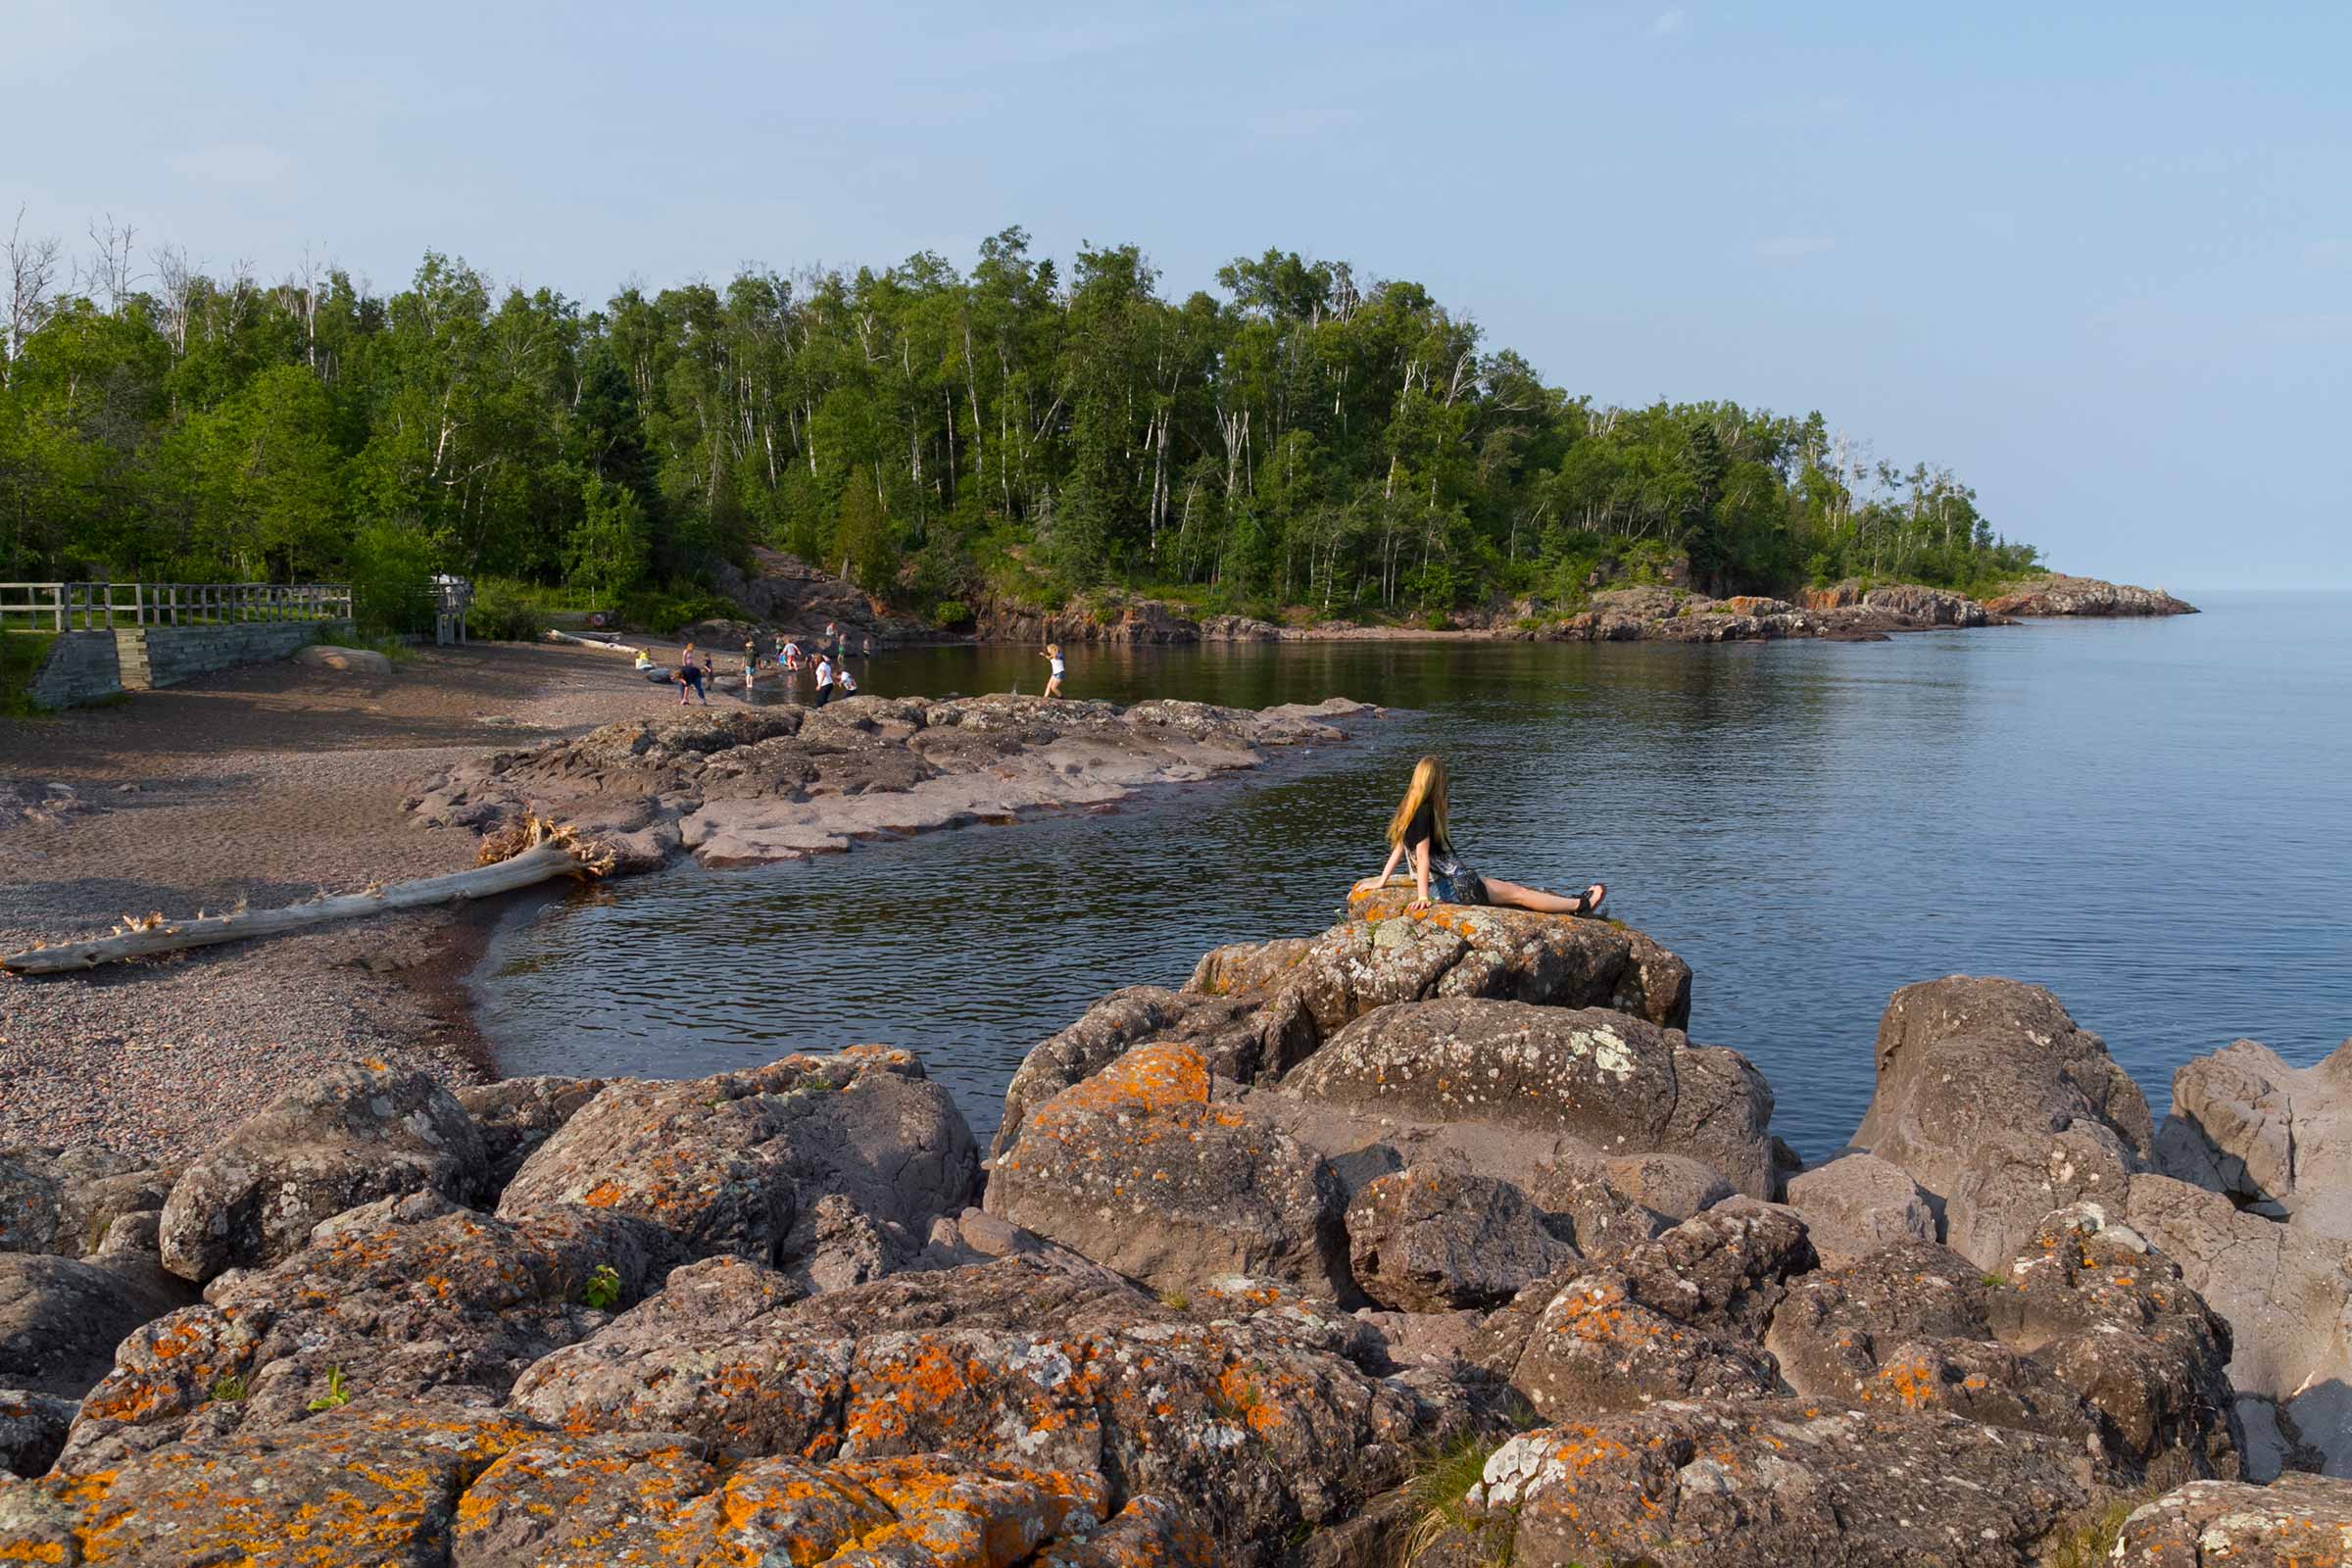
84, 665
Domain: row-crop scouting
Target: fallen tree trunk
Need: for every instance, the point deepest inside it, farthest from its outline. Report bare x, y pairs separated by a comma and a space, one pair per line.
630, 649
532, 852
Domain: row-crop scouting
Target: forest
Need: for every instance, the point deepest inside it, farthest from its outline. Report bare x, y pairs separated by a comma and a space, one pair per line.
1300, 437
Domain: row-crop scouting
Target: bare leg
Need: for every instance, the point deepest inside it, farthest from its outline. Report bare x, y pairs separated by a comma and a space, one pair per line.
1510, 895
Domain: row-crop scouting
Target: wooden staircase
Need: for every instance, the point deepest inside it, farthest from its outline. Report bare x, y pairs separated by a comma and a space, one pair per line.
130, 655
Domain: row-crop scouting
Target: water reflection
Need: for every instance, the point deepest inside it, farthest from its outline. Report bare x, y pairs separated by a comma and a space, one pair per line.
2145, 817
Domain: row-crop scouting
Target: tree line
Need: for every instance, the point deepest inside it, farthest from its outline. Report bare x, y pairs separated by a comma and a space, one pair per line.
1301, 436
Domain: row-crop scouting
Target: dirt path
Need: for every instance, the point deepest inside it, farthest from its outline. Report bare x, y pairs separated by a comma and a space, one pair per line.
267, 783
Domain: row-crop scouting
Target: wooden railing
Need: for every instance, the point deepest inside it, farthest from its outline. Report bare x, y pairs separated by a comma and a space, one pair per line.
105, 605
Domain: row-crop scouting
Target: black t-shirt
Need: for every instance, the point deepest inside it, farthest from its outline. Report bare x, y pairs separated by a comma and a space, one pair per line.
1424, 826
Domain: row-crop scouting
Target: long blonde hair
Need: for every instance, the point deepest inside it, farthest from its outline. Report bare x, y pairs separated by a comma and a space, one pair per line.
1427, 788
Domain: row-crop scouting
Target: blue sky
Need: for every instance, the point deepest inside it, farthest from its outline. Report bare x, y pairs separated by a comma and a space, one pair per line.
2099, 263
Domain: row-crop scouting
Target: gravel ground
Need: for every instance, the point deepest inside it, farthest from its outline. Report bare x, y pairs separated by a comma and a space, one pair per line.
268, 783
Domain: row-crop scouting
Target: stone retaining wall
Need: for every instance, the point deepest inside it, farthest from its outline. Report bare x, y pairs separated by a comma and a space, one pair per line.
84, 666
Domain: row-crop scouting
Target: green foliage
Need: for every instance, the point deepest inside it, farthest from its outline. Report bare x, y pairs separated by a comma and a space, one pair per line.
603, 1288
227, 1388
21, 657
336, 1395
1441, 1479
663, 610
1010, 434
503, 613
951, 615
2090, 1542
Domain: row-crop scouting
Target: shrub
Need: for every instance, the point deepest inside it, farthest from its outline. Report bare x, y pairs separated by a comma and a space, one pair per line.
603, 1288
21, 657
663, 610
953, 614
228, 1389
500, 614
1435, 620
336, 1394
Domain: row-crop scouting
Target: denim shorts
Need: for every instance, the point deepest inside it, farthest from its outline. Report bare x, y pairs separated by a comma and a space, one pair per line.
1458, 887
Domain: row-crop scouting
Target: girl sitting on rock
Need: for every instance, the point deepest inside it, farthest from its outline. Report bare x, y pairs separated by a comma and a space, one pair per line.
1419, 829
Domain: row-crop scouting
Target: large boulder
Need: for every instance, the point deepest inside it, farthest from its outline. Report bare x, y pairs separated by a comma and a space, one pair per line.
398, 1298
1426, 1240
2287, 1296
2272, 1138
1858, 1204
1263, 1416
744, 1163
1141, 1169
1613, 1083
360, 1132
1675, 1318
1767, 1484
2302, 1521
2001, 1110
61, 1318
63, 1200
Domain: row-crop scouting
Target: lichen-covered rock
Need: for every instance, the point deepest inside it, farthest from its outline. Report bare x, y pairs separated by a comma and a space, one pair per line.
62, 1201
357, 1133
398, 1298
1773, 1483
2300, 1521
32, 1430
1261, 1417
1583, 1201
1513, 955
61, 1318
738, 1163
1139, 1169
1432, 1241
1908, 1328
1678, 1317
1231, 1035
2272, 1138
2113, 1319
374, 1483
1999, 1108
515, 1115
1613, 1081
1858, 1204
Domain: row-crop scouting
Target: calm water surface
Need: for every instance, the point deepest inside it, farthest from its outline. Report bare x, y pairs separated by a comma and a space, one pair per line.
2147, 817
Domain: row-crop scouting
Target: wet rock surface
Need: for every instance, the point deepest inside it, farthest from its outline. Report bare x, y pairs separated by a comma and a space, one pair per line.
743, 786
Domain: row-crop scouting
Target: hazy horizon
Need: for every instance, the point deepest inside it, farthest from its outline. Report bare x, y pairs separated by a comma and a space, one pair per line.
2093, 267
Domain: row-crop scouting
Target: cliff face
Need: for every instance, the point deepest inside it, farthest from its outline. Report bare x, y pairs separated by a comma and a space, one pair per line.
2061, 595
1250, 1251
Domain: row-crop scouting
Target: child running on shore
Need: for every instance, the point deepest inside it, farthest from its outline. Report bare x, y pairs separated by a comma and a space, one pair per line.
1054, 681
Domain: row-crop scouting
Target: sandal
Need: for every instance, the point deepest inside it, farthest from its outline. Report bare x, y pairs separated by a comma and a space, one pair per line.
1590, 899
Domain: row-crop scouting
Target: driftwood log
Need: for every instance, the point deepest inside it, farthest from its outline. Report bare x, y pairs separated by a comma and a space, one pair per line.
517, 855
630, 649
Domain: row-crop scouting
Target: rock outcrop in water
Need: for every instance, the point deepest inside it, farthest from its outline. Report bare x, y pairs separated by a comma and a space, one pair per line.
1260, 1261
742, 786
2060, 595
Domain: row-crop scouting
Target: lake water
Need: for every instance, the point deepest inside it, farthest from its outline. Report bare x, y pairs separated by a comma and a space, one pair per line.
2148, 817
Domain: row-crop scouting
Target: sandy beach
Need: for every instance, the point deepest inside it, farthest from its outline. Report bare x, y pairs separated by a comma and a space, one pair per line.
265, 783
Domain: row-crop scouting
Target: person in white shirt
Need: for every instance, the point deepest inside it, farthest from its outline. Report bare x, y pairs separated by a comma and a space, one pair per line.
824, 680
1054, 681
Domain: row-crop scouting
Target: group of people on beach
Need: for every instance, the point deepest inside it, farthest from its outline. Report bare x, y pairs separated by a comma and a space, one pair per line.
828, 661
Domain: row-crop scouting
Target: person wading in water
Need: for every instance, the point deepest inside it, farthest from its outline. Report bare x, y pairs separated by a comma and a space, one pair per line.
1419, 830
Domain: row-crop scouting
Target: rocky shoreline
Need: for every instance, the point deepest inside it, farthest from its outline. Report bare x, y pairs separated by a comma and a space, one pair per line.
1850, 612
749, 786
1429, 1237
